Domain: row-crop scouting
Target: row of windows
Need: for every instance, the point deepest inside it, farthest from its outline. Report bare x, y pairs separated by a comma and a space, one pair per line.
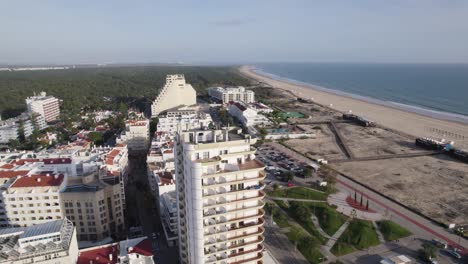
12, 199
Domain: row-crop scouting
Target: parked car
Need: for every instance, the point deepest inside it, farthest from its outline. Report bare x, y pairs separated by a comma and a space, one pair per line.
454, 254
290, 184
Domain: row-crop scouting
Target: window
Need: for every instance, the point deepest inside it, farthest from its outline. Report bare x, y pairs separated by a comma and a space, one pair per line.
206, 155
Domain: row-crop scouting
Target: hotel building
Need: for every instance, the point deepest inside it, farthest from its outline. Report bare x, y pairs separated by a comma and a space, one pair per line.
175, 92
46, 106
220, 197
226, 95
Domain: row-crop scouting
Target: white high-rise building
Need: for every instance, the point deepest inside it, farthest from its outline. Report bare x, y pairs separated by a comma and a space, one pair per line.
226, 95
46, 106
220, 197
175, 92
136, 135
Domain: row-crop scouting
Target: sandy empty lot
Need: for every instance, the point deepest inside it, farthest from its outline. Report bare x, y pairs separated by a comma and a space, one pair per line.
437, 186
323, 146
374, 141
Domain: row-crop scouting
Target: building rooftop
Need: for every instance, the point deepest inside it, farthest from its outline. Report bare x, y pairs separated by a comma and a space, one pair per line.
11, 174
38, 181
19, 243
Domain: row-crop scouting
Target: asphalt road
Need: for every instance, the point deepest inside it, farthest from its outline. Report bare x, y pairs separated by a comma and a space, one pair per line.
147, 217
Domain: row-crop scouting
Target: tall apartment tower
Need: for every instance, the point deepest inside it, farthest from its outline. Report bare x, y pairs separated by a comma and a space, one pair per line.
220, 197
46, 106
175, 92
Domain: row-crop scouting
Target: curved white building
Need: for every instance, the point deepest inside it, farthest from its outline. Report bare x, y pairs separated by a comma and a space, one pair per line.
174, 93
220, 198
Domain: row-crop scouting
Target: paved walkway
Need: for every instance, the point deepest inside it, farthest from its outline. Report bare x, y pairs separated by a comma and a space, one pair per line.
297, 200
339, 200
319, 228
332, 241
379, 234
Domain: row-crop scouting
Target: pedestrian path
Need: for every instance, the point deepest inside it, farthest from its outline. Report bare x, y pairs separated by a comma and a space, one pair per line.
297, 200
339, 200
379, 234
318, 227
332, 241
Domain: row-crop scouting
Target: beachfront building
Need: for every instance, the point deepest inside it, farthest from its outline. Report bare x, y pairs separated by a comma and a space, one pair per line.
29, 199
130, 251
246, 115
225, 95
184, 118
220, 197
25, 124
46, 106
175, 92
47, 243
136, 135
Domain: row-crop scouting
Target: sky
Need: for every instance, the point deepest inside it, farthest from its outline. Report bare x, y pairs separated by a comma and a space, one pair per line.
222, 31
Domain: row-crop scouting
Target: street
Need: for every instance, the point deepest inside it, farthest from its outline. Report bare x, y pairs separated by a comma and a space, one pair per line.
146, 216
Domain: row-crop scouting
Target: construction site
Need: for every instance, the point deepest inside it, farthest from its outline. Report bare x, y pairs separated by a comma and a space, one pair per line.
428, 181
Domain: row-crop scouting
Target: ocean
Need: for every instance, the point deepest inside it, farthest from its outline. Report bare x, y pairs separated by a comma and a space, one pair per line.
437, 90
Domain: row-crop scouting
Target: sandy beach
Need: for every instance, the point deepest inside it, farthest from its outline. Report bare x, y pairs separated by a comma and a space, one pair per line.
407, 122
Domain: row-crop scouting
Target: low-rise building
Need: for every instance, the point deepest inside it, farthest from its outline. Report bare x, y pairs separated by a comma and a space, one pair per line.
25, 124
136, 135
246, 115
49, 243
184, 118
226, 95
130, 251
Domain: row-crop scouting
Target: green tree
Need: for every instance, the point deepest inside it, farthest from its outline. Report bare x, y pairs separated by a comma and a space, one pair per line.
14, 143
21, 135
153, 125
428, 252
95, 137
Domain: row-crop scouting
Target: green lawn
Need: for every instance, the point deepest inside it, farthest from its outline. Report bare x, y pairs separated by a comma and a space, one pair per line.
359, 235
306, 244
329, 219
392, 231
302, 214
299, 193
280, 219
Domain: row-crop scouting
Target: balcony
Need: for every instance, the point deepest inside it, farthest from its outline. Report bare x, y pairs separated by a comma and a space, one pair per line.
213, 222
212, 212
260, 186
257, 259
218, 203
240, 228
220, 182
259, 248
216, 250
245, 166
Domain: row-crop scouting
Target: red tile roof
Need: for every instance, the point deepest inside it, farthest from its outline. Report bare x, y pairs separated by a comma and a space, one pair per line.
11, 174
142, 248
7, 166
110, 157
99, 255
37, 181
57, 161
23, 161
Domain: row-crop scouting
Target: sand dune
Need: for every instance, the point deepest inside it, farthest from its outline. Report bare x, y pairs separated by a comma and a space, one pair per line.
407, 122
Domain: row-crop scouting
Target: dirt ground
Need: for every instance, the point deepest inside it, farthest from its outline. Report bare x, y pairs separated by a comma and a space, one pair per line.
373, 141
322, 146
437, 186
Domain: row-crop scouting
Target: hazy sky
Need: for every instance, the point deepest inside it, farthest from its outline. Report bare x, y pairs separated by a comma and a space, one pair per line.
237, 31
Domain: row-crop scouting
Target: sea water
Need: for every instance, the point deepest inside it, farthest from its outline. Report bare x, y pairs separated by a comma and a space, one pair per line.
437, 90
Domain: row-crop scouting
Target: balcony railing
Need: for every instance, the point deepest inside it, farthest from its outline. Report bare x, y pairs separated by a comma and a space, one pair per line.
212, 212
218, 240
260, 186
218, 203
222, 183
241, 227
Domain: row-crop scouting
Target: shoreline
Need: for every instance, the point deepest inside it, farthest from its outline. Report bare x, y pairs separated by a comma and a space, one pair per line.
404, 118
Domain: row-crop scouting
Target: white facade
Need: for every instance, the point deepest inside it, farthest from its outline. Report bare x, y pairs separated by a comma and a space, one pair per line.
48, 243
136, 135
47, 106
185, 118
220, 197
9, 129
246, 115
32, 199
174, 93
226, 95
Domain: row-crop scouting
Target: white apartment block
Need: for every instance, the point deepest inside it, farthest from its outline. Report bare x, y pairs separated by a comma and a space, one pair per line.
220, 197
175, 92
47, 106
30, 199
9, 129
184, 118
48, 243
229, 94
246, 115
136, 135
